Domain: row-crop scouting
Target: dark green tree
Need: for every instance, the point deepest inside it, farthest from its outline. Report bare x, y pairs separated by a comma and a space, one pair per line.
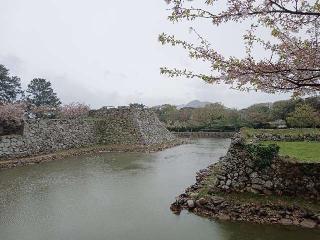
257, 115
10, 87
168, 114
40, 93
314, 102
281, 109
304, 116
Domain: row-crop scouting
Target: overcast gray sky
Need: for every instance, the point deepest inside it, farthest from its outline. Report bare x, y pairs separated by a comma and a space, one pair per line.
106, 52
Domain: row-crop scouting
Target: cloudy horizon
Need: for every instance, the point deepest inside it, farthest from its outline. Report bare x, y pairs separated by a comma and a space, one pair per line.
107, 53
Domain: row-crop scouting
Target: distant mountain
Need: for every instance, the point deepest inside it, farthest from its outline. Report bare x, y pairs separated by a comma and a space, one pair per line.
194, 104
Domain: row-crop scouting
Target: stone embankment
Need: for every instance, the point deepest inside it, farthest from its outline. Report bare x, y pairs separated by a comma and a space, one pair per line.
236, 188
126, 128
240, 172
93, 150
205, 200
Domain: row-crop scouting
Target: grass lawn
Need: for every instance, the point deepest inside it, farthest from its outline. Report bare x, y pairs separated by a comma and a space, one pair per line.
301, 151
250, 132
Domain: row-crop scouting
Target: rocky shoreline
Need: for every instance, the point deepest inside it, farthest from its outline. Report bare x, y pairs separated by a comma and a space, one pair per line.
206, 200
18, 162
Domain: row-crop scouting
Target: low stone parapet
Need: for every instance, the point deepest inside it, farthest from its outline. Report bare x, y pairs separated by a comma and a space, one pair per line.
204, 134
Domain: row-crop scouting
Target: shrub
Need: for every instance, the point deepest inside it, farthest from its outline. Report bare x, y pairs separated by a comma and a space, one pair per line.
74, 110
263, 154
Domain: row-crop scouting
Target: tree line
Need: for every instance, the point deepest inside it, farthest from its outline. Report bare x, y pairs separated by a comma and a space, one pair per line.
38, 100
295, 112
39, 91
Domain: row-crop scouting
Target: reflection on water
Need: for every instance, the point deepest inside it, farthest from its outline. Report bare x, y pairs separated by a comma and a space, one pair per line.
118, 196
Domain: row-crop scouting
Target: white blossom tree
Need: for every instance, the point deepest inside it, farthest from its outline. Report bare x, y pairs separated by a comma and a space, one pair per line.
291, 60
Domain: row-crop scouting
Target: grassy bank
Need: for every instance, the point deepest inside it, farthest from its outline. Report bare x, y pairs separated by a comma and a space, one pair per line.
250, 132
297, 143
300, 151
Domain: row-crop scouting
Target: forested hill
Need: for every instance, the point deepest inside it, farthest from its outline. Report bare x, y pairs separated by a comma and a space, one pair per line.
198, 115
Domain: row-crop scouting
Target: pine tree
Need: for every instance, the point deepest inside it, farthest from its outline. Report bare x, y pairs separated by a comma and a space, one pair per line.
40, 93
10, 87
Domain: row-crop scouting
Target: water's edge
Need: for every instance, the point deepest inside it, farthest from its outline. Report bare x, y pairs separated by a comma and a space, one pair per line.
86, 151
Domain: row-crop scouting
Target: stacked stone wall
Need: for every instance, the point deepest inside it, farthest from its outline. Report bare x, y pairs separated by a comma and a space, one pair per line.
46, 136
123, 126
118, 123
238, 172
204, 134
151, 129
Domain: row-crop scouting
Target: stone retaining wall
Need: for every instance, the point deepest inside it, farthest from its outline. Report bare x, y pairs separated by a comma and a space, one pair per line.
237, 172
204, 134
287, 138
152, 131
124, 126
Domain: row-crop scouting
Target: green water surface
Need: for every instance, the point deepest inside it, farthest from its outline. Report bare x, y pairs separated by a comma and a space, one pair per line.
123, 196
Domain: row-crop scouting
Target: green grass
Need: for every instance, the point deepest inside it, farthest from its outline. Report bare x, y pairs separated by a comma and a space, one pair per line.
300, 151
250, 132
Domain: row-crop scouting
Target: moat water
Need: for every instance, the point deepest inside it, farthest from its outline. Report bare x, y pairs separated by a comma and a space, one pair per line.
123, 196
